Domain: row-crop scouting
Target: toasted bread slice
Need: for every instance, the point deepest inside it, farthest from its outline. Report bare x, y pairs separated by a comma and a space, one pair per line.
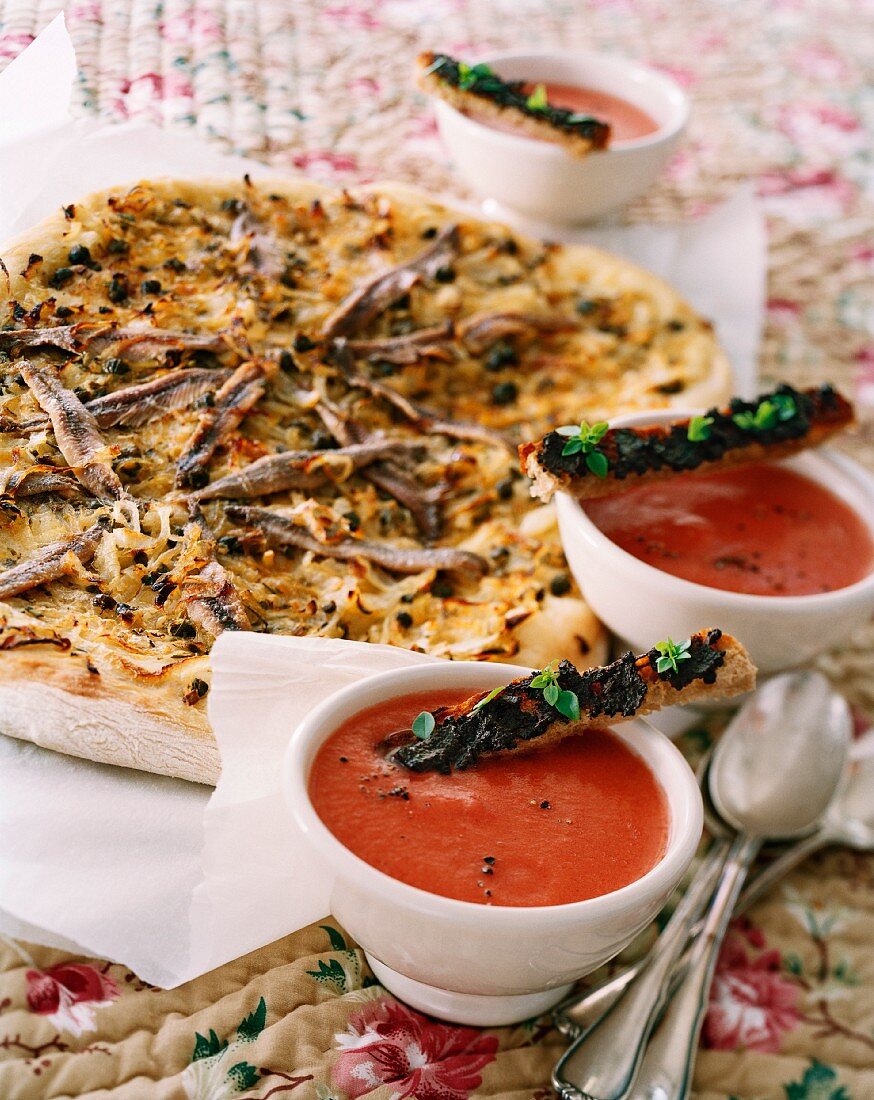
711, 665
788, 421
478, 89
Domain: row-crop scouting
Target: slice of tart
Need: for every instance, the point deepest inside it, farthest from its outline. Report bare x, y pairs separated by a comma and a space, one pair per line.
594, 460
559, 701
478, 90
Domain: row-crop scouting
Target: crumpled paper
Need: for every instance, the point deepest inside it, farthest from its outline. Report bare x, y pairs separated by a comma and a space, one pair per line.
166, 877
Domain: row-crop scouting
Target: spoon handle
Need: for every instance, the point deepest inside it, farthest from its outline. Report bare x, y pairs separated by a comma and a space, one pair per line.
575, 1015
762, 881
666, 1068
602, 1063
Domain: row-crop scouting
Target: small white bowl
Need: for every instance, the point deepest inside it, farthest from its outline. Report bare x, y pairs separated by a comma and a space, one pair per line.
484, 965
541, 180
642, 604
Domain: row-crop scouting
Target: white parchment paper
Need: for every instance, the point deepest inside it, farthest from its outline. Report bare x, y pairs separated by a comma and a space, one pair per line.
167, 877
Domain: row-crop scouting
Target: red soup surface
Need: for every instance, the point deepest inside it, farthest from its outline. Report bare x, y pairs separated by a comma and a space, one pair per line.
759, 529
627, 122
547, 827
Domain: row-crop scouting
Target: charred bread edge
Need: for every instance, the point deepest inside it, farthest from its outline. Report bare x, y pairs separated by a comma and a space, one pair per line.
718, 666
658, 452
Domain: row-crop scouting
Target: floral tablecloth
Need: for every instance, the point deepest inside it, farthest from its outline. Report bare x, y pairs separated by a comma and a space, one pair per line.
322, 86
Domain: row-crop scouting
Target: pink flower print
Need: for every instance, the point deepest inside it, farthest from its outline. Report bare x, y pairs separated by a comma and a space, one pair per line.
177, 85
389, 1044
364, 87
820, 62
783, 310
752, 1006
684, 77
84, 13
806, 194
325, 162
68, 994
352, 15
864, 380
199, 23
822, 128
11, 45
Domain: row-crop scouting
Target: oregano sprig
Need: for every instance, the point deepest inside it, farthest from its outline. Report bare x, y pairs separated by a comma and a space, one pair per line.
537, 101
584, 440
493, 694
468, 75
565, 702
775, 409
671, 653
423, 725
699, 429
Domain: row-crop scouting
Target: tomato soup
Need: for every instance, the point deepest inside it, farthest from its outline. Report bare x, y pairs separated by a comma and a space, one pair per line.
759, 529
627, 122
546, 827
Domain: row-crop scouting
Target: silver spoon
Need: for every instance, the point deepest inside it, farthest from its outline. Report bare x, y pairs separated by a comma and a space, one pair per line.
848, 822
773, 774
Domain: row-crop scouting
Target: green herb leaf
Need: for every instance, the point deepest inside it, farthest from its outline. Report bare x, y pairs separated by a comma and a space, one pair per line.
786, 407
468, 75
565, 702
423, 725
493, 694
699, 429
670, 653
569, 705
537, 101
583, 440
768, 414
575, 118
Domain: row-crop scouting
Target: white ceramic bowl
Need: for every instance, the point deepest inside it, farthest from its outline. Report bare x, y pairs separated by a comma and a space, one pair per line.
542, 180
478, 964
643, 604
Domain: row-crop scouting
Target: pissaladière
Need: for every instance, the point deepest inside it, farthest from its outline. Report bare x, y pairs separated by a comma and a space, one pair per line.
292, 410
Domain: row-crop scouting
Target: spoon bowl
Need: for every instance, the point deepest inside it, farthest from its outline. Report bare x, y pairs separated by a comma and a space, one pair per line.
777, 767
772, 776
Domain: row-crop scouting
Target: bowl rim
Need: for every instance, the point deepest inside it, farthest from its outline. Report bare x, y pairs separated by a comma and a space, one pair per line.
852, 471
553, 150
661, 756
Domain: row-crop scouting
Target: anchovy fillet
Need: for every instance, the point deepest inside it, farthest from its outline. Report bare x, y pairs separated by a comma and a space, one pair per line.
483, 329
134, 406
423, 504
425, 419
424, 343
132, 344
234, 400
298, 469
36, 480
263, 255
76, 432
212, 601
370, 300
52, 561
280, 531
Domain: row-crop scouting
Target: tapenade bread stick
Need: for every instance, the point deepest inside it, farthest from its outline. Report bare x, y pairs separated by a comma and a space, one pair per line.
477, 88
559, 701
596, 461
